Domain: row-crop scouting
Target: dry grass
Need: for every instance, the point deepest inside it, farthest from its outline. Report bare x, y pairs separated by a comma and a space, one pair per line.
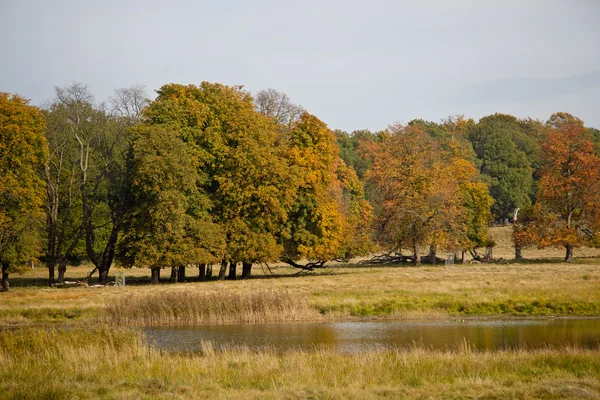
105, 363
187, 307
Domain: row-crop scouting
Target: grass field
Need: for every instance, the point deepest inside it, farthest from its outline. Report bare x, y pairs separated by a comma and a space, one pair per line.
64, 342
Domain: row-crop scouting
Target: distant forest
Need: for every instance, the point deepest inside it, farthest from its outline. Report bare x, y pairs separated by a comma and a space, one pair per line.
212, 176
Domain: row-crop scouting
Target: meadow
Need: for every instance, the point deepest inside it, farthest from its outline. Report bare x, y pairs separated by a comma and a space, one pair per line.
82, 342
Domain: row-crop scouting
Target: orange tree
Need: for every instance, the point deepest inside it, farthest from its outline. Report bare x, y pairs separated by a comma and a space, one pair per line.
426, 196
568, 198
23, 150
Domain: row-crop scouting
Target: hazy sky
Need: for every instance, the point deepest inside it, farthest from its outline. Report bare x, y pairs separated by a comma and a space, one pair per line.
354, 64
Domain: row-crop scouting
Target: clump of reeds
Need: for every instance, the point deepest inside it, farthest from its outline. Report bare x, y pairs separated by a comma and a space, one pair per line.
190, 307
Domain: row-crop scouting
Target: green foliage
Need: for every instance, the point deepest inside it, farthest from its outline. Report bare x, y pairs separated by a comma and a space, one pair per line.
170, 225
505, 166
236, 148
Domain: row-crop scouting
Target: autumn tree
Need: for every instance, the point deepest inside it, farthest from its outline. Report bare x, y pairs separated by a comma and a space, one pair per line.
569, 187
22, 155
329, 219
426, 196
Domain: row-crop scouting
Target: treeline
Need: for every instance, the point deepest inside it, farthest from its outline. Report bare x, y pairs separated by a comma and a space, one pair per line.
209, 176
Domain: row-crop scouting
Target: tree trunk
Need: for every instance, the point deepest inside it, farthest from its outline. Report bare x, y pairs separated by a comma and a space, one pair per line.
202, 272
181, 274
155, 275
246, 270
432, 254
569, 254
232, 270
462, 257
62, 268
222, 270
105, 262
51, 279
103, 276
416, 259
208, 272
518, 254
5, 284
174, 274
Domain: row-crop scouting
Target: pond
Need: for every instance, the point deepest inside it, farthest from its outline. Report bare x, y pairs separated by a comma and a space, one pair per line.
357, 336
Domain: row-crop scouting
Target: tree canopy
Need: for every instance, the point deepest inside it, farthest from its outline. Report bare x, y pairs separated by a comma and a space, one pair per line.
23, 151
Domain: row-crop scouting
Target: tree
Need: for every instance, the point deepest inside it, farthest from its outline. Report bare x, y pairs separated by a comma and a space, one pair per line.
278, 106
170, 225
64, 227
569, 187
243, 159
98, 144
426, 196
349, 145
22, 154
507, 168
329, 217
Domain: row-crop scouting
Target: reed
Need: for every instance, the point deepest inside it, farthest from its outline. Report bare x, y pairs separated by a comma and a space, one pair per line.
192, 307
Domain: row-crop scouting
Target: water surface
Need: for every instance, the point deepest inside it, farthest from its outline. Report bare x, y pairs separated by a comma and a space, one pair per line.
357, 336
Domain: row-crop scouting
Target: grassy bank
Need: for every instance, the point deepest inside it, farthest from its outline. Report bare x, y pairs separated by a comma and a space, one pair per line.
526, 289
106, 363
542, 287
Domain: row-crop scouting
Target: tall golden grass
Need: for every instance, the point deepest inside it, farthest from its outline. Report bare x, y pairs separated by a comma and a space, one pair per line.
192, 307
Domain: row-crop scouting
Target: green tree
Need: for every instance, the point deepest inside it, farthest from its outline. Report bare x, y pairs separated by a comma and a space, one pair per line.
170, 225
243, 159
349, 145
507, 168
22, 154
95, 146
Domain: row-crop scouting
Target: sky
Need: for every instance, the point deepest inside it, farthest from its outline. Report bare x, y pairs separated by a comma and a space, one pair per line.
354, 64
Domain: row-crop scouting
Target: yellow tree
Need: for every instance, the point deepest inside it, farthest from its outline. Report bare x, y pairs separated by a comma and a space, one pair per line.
23, 150
329, 218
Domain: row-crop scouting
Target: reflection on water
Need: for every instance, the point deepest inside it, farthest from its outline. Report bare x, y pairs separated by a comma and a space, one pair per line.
363, 336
